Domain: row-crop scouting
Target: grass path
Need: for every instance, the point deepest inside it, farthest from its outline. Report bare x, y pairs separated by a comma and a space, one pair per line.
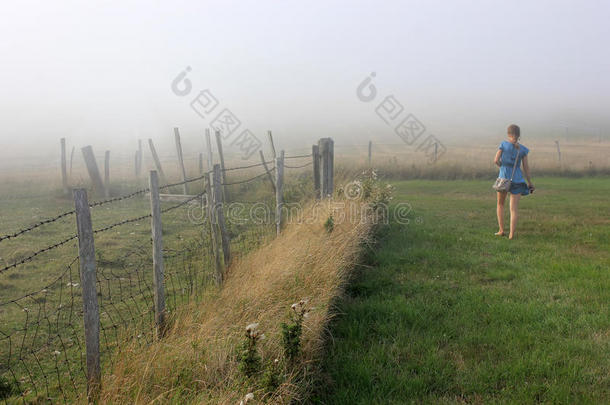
448, 313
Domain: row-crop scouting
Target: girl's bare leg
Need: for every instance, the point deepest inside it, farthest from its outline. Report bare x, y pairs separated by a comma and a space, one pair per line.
514, 216
500, 212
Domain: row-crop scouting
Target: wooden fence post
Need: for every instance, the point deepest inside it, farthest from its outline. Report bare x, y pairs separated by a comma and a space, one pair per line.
370, 152
157, 250
208, 145
71, 159
210, 204
270, 137
140, 156
201, 163
64, 173
327, 152
91, 311
107, 174
155, 157
558, 153
94, 172
181, 160
136, 166
222, 162
315, 152
220, 216
279, 189
262, 155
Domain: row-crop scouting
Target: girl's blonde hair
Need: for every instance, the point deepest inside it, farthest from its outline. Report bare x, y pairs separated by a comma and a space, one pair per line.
514, 130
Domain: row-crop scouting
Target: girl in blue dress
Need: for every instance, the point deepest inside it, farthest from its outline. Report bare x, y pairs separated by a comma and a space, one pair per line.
505, 159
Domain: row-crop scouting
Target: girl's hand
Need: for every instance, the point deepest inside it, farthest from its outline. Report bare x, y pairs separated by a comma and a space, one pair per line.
532, 188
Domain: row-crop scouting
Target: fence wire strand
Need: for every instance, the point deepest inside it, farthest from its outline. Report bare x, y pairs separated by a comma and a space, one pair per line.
42, 348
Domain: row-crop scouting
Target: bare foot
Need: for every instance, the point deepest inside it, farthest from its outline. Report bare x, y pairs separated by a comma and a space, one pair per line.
499, 233
511, 236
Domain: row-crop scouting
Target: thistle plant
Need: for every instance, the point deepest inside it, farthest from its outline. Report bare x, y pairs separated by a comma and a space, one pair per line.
271, 377
292, 331
249, 397
249, 359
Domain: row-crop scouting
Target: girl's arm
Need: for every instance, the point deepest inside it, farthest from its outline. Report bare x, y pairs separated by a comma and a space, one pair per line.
497, 160
526, 169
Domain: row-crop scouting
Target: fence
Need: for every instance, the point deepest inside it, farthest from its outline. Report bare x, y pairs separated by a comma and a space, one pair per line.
76, 311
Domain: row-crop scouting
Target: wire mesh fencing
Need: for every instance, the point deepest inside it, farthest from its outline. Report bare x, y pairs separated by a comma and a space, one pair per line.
43, 354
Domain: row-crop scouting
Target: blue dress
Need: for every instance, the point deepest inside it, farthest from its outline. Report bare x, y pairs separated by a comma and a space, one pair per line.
507, 160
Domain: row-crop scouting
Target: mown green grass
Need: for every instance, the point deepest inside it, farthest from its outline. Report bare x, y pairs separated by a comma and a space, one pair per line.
444, 312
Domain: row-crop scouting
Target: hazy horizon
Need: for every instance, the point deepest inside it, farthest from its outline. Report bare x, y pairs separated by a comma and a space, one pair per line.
101, 73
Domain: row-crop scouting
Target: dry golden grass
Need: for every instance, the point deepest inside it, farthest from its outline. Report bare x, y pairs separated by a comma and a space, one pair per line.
196, 363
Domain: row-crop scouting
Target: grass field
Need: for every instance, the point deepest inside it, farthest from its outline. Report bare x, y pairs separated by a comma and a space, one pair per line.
445, 312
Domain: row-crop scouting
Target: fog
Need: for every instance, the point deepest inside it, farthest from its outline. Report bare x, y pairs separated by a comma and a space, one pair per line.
100, 72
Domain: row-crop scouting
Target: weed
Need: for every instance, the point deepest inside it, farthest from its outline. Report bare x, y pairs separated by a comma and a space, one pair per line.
292, 331
249, 359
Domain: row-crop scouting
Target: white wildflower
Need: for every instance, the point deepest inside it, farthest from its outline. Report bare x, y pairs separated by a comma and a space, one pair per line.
56, 353
252, 327
262, 337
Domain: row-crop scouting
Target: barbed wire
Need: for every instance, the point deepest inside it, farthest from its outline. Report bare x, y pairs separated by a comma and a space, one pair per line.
298, 167
185, 181
120, 198
249, 179
36, 225
248, 166
183, 203
33, 255
298, 156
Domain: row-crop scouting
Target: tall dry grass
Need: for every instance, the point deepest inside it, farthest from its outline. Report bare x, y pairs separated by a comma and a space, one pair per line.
196, 361
474, 160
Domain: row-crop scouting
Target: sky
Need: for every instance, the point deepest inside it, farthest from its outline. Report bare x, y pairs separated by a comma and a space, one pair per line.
101, 72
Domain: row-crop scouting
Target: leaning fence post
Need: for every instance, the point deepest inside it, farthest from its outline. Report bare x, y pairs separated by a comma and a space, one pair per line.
279, 189
107, 174
64, 173
71, 159
327, 152
270, 137
180, 159
262, 155
220, 216
370, 152
315, 152
157, 249
155, 157
94, 172
91, 312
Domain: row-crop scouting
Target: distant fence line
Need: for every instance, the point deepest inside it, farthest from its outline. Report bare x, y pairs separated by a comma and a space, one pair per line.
55, 338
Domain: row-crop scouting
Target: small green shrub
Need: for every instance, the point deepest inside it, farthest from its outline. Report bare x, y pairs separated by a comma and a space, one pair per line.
292, 331
249, 359
271, 377
329, 225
